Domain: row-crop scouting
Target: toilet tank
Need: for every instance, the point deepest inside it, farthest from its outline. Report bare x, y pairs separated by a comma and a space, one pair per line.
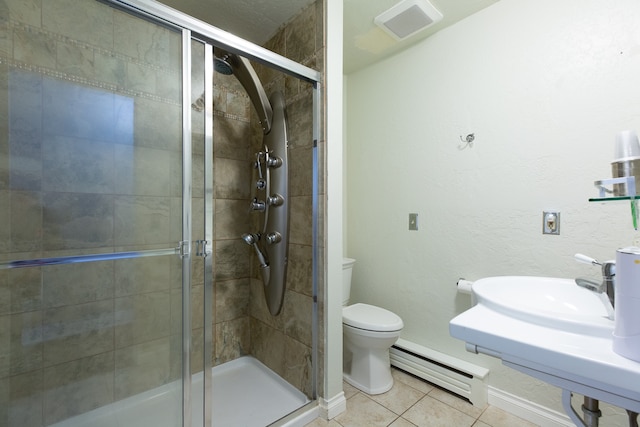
347, 268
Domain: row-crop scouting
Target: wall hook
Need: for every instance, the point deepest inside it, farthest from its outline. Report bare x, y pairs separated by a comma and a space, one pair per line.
467, 141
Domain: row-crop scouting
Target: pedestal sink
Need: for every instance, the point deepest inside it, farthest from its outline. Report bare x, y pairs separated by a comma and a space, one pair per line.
553, 330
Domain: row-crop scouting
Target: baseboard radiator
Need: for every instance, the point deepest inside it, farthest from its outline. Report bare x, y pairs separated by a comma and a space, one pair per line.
457, 376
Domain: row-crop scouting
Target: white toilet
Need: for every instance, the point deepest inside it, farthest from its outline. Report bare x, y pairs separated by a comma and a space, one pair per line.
368, 333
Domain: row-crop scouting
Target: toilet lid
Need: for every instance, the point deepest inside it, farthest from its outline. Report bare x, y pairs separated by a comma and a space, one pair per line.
371, 318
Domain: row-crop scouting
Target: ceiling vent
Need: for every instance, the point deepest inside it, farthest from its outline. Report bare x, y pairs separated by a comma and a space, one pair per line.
407, 18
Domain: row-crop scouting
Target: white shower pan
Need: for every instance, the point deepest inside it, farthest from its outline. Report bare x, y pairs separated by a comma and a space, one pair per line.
245, 393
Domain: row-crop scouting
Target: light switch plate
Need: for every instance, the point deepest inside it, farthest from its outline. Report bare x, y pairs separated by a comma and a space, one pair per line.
413, 221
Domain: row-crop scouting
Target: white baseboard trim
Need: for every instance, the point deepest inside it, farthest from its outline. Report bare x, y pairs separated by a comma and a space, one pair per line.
530, 411
458, 376
301, 417
333, 407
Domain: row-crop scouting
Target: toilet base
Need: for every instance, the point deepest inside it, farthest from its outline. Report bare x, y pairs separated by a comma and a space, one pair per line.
366, 368
379, 389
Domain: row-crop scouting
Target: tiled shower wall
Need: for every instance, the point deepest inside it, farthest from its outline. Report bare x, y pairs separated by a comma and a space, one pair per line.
284, 342
232, 189
243, 324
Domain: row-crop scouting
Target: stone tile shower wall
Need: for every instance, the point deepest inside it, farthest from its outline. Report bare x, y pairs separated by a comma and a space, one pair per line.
90, 162
231, 192
284, 342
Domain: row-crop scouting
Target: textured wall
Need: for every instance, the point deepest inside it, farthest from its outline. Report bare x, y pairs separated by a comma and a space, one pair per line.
545, 86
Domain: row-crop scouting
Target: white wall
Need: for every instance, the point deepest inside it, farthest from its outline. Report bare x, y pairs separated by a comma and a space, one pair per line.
545, 86
333, 400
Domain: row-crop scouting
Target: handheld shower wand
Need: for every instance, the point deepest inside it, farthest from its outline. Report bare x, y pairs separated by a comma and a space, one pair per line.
252, 240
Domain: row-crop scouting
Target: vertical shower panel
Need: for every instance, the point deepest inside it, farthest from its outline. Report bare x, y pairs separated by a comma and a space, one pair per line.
90, 214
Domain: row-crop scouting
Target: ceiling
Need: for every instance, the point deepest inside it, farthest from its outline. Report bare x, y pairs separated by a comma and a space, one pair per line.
364, 42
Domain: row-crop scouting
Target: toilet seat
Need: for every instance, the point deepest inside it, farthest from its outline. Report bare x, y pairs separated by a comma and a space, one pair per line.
371, 318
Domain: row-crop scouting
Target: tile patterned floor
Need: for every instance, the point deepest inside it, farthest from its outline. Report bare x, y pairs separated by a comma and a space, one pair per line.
413, 402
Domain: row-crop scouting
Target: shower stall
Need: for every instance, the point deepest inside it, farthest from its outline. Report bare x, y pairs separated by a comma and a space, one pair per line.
159, 218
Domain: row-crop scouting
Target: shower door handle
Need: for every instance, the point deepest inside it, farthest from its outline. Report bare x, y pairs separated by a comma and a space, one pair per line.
202, 248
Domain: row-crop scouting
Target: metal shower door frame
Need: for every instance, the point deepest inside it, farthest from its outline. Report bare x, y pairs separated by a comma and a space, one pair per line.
204, 245
208, 236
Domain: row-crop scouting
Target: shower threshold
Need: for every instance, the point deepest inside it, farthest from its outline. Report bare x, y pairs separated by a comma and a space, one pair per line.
245, 394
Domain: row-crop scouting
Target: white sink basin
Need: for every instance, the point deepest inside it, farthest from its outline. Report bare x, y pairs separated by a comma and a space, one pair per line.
553, 330
546, 301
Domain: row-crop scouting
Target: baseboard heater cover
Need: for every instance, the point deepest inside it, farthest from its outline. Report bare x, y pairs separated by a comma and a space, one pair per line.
458, 376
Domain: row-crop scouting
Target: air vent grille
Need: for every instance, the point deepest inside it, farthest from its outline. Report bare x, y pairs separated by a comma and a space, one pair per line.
407, 18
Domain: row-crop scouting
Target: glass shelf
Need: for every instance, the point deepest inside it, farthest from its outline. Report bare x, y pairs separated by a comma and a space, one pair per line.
612, 198
629, 183
625, 185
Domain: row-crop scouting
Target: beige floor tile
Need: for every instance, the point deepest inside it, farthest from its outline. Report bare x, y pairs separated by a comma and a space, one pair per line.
498, 418
420, 404
400, 398
364, 412
401, 422
456, 402
410, 380
349, 390
430, 412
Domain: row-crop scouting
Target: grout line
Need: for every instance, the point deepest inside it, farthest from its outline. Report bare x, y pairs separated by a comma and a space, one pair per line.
434, 389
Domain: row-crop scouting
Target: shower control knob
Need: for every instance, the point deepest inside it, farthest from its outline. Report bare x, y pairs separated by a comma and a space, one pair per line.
275, 200
274, 161
261, 184
258, 205
273, 237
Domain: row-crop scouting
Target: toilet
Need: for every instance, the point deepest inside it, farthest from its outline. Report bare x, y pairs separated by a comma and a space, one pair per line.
368, 333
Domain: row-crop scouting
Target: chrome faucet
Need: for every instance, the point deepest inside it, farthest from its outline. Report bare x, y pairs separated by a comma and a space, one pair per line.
608, 277
590, 285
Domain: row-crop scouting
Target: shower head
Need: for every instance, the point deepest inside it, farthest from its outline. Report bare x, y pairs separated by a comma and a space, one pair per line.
231, 63
222, 65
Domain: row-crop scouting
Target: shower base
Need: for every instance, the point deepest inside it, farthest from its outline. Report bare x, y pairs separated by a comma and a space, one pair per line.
245, 394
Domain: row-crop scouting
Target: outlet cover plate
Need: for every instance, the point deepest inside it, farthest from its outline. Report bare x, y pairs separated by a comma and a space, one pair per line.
551, 222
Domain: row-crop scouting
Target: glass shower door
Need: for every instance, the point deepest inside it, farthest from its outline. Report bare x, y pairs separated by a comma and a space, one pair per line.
91, 219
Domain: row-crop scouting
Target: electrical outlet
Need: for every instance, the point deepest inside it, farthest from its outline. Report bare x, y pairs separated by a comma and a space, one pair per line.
550, 222
413, 221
